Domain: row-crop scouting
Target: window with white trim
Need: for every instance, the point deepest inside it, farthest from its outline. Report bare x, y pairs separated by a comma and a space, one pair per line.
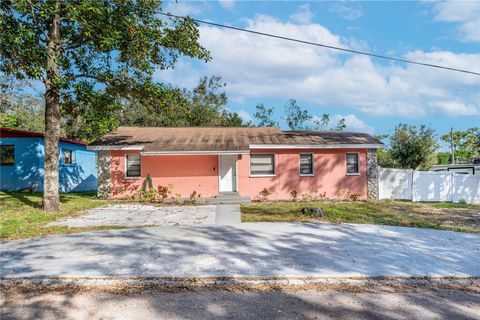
262, 164
133, 166
352, 163
306, 164
67, 156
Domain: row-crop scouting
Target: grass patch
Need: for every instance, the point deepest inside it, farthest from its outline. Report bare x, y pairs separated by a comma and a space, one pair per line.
21, 215
453, 217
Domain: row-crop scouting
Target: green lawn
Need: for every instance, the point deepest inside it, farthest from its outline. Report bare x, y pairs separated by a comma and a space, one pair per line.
444, 216
21, 215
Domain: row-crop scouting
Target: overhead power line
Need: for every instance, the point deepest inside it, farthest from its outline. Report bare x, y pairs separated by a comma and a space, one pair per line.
314, 43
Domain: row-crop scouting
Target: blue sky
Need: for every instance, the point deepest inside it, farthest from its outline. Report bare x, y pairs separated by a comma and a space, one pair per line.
373, 95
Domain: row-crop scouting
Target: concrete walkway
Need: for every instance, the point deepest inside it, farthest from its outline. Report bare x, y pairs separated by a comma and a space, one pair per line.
248, 249
228, 214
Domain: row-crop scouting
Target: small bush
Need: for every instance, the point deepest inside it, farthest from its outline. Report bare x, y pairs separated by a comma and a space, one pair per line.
194, 197
148, 196
462, 201
263, 195
294, 195
312, 212
164, 192
355, 196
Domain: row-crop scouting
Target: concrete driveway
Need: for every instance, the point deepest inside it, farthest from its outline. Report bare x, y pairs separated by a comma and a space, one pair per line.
248, 249
137, 215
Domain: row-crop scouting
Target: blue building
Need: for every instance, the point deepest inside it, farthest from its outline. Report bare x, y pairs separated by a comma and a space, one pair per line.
22, 158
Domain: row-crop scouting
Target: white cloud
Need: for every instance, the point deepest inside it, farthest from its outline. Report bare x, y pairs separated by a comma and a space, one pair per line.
259, 67
303, 15
227, 4
346, 12
246, 117
465, 13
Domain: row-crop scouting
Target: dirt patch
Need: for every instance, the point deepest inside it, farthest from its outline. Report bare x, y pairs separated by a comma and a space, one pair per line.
380, 285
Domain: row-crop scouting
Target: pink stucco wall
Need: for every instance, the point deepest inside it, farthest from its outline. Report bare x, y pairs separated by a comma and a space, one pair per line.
329, 174
187, 174
200, 173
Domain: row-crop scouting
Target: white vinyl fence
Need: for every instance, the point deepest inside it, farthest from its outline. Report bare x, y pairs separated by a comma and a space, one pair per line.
405, 184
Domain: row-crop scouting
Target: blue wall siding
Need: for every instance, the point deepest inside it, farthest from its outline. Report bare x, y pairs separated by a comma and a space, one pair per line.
27, 172
82, 174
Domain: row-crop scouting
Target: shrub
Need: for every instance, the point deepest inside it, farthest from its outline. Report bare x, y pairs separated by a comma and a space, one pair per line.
354, 196
294, 195
147, 196
462, 201
164, 191
263, 195
194, 196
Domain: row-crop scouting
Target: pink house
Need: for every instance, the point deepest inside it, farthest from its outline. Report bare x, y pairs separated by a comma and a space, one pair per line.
215, 162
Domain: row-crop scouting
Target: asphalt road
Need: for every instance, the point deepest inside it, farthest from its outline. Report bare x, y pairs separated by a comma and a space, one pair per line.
419, 303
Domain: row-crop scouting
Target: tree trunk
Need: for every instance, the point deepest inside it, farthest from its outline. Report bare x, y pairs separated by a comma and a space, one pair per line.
51, 201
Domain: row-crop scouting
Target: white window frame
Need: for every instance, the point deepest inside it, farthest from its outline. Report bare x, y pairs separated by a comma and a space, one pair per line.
263, 175
300, 164
72, 155
358, 164
126, 169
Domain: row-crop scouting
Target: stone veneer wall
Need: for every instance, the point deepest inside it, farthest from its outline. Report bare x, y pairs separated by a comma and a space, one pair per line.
372, 174
104, 159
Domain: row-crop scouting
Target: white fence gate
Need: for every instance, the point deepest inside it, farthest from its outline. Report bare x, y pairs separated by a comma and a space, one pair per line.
405, 184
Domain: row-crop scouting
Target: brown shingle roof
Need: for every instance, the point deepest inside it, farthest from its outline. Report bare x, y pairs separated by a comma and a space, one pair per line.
224, 139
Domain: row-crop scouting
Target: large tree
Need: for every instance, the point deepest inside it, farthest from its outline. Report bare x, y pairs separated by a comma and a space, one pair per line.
91, 53
412, 147
204, 105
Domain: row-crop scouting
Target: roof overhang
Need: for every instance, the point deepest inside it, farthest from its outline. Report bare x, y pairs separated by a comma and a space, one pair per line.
316, 146
126, 148
205, 152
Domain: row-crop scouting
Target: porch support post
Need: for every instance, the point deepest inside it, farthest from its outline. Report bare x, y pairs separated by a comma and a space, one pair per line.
372, 174
104, 188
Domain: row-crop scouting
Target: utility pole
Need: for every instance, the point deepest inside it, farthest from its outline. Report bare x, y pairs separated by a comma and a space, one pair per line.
452, 146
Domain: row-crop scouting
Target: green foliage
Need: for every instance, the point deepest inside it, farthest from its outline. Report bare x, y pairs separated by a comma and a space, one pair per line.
466, 144
8, 121
108, 52
341, 125
297, 118
205, 105
19, 109
322, 122
385, 160
147, 184
264, 116
413, 148
444, 158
